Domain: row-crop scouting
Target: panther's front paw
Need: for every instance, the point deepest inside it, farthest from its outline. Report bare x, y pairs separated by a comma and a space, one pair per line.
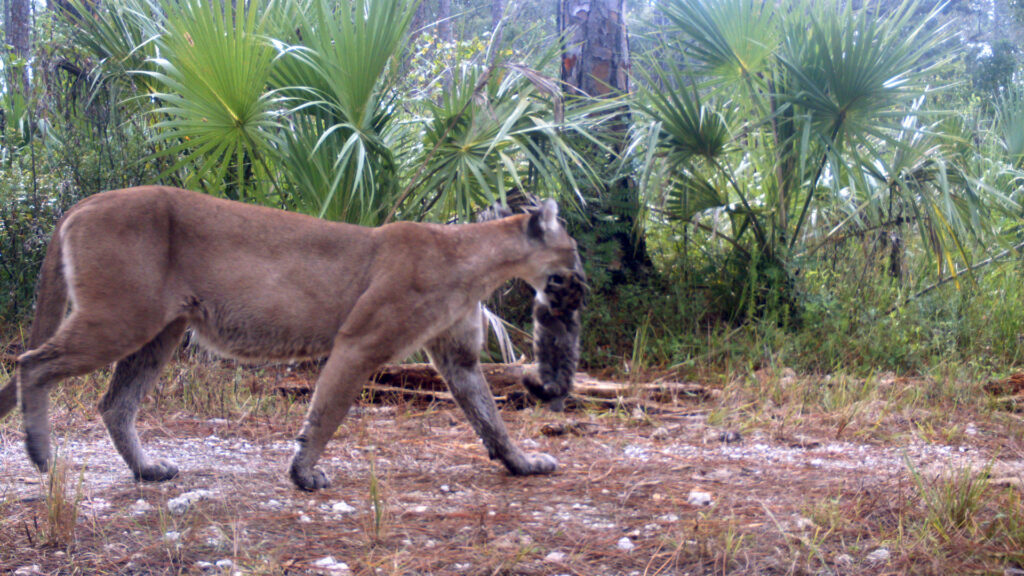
534, 463
158, 471
309, 479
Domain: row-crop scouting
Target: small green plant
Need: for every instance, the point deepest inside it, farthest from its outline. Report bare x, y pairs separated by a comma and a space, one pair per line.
638, 362
379, 515
950, 502
828, 513
730, 545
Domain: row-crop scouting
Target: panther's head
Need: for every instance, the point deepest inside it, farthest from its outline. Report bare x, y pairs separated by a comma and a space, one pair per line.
553, 254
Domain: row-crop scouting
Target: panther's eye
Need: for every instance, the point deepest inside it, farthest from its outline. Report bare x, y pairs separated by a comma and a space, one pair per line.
556, 279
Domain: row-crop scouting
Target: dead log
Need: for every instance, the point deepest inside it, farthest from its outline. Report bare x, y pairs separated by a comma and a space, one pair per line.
421, 381
421, 378
501, 377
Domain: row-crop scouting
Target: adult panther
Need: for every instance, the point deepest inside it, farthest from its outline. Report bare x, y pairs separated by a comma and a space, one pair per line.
142, 265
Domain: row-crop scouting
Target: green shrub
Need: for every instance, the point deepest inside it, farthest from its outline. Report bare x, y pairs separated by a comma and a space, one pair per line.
42, 177
30, 203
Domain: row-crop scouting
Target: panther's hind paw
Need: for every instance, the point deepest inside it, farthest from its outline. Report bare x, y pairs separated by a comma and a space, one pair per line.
158, 471
534, 463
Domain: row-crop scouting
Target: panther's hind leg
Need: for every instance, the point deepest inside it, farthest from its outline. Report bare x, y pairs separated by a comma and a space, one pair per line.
455, 354
133, 377
82, 344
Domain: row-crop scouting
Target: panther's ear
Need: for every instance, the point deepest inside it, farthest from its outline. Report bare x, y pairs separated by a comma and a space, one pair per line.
544, 220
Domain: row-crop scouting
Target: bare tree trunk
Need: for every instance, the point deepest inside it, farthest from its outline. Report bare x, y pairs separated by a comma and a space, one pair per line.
1007, 22
17, 35
595, 61
444, 17
497, 11
420, 18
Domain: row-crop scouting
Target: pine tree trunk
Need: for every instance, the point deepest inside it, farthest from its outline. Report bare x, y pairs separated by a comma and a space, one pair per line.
17, 35
595, 63
444, 17
497, 11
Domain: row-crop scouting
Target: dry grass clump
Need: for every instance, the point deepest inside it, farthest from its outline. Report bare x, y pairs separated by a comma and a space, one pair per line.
62, 504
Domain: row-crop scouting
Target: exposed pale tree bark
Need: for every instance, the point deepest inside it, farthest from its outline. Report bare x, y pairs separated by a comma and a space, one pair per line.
595, 61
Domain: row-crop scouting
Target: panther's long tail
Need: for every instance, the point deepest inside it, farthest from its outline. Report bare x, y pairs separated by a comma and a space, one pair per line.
51, 305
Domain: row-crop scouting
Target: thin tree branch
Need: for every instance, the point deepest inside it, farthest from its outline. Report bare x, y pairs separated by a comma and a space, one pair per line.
751, 217
957, 274
716, 233
814, 185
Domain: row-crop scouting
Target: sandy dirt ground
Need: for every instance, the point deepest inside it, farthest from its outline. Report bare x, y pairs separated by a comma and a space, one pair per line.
414, 493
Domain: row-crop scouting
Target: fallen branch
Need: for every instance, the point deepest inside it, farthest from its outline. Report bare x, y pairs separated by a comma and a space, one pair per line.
659, 391
1012, 403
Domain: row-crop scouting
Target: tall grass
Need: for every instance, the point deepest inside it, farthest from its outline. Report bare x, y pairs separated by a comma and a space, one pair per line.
62, 504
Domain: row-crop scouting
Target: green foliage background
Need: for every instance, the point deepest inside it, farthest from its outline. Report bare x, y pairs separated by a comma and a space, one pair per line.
801, 196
